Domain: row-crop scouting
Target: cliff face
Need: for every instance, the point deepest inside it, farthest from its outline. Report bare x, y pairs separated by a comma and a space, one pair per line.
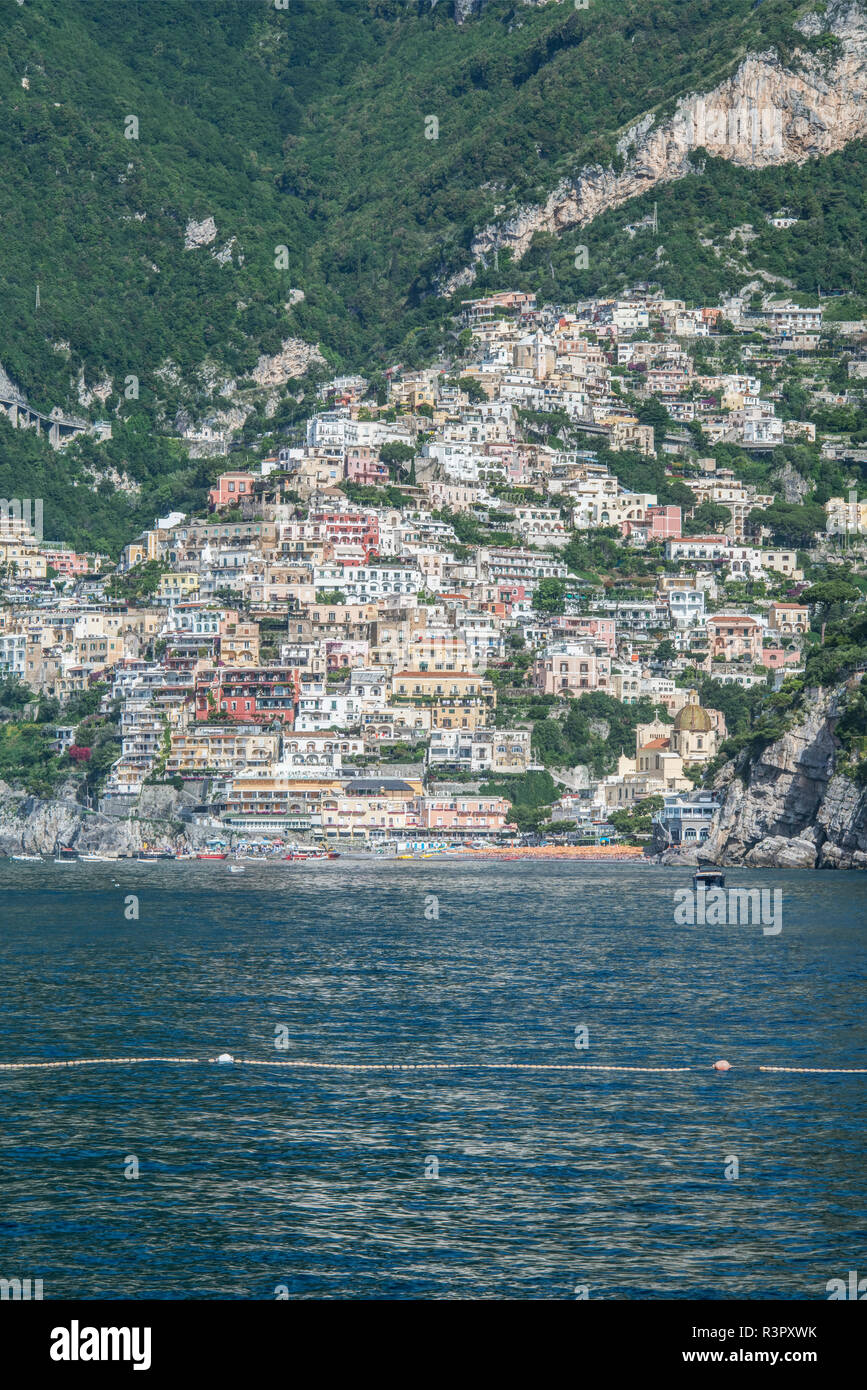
469, 9
790, 807
163, 817
765, 114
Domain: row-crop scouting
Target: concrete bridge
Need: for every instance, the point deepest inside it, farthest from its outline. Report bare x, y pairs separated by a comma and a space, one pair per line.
59, 427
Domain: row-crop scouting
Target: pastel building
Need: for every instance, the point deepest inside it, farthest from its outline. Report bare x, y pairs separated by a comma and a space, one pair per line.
567, 667
734, 635
230, 489
463, 815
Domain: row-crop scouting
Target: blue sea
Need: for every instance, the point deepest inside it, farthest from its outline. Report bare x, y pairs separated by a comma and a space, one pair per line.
261, 1182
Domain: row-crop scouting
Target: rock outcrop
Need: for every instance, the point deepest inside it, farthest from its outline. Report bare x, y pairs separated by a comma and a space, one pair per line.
471, 9
199, 233
765, 114
293, 359
162, 817
792, 806
793, 484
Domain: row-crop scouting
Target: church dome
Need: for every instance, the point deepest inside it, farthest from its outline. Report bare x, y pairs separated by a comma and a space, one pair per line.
692, 719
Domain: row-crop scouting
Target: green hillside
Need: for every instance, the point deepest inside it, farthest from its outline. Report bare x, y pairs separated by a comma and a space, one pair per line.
302, 128
305, 128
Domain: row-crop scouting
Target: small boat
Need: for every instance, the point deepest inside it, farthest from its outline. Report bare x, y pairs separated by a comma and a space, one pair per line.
708, 878
236, 869
28, 858
210, 856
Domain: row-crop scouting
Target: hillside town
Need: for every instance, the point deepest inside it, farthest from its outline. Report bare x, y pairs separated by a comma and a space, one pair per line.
468, 605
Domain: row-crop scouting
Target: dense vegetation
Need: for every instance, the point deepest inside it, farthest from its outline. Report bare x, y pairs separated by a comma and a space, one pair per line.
307, 128
303, 132
696, 214
28, 757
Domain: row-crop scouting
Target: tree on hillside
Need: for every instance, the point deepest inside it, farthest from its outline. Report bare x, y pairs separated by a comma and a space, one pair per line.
550, 596
398, 457
654, 413
708, 517
791, 523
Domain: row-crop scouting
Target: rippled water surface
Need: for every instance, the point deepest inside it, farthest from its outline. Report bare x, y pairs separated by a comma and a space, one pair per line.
253, 1177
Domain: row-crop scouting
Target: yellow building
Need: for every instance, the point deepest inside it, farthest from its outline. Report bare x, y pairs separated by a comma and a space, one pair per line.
20, 556
239, 644
178, 586
460, 713
442, 685
458, 699
224, 749
281, 798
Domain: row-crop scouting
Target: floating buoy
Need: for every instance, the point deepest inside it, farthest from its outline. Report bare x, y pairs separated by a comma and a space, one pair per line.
225, 1057
722, 1066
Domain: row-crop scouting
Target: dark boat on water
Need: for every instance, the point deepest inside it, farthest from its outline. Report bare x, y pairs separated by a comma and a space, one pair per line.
708, 878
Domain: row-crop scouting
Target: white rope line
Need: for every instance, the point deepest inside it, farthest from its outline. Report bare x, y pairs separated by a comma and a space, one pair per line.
98, 1062
821, 1071
453, 1066
336, 1066
308, 1065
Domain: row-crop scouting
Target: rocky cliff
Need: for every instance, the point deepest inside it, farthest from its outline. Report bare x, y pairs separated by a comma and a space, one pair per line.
163, 818
793, 806
470, 9
765, 114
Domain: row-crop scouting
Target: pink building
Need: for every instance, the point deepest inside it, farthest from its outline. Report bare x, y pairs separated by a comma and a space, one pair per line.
363, 467
777, 657
65, 561
657, 524
734, 635
665, 523
461, 815
602, 631
509, 594
231, 487
567, 668
347, 528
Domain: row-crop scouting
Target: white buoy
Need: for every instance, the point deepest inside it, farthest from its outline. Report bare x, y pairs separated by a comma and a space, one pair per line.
225, 1057
722, 1066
